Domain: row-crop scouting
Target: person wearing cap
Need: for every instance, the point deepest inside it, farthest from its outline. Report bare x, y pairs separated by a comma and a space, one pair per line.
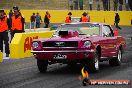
68, 18
84, 18
4, 26
47, 19
17, 22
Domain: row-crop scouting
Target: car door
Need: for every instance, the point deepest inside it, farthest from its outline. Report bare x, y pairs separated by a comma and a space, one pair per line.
108, 41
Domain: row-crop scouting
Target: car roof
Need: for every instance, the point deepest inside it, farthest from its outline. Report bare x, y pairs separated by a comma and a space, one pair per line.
99, 23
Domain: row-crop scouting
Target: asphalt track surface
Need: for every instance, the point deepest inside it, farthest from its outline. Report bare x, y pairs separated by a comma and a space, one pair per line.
23, 73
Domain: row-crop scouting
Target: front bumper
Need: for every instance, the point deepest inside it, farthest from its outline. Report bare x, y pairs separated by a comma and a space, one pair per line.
64, 51
70, 54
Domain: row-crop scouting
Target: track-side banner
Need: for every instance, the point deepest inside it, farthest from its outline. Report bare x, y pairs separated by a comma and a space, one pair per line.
21, 44
58, 16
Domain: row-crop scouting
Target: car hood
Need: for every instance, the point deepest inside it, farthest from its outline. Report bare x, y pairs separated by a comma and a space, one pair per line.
79, 38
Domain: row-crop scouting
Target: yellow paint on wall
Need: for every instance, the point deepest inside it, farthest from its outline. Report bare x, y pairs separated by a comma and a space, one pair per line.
1, 56
58, 16
20, 40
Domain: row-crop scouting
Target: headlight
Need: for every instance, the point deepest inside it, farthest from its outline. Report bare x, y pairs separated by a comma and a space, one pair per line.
87, 44
35, 44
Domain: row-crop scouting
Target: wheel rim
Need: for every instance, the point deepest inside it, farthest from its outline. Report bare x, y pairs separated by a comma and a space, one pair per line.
119, 55
96, 63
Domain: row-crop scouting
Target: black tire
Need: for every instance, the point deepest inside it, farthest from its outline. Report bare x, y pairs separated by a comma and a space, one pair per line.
117, 60
93, 64
42, 65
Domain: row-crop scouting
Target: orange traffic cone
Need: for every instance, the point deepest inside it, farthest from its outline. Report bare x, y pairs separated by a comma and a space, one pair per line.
116, 32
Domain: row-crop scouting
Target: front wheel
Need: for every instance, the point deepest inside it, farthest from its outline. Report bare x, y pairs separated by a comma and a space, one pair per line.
42, 65
117, 60
93, 64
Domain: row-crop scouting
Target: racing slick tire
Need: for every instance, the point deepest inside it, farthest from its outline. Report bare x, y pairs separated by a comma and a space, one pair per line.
93, 64
117, 60
42, 65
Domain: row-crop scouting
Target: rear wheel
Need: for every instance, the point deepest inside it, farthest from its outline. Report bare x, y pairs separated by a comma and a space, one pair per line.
93, 64
117, 60
42, 65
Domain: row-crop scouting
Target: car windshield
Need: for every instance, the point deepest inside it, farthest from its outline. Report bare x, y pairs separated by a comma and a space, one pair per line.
82, 29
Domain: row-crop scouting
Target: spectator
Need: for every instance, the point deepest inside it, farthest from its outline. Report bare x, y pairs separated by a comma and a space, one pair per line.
130, 4
4, 26
68, 18
75, 4
84, 18
38, 20
126, 5
105, 5
47, 19
120, 4
90, 4
81, 4
71, 4
17, 22
115, 4
117, 20
98, 5
108, 5
32, 19
10, 14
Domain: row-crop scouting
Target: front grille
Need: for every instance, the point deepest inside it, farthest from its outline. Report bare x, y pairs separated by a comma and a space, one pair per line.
60, 44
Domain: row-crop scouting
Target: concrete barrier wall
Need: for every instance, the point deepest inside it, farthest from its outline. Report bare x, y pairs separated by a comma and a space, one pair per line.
58, 16
21, 44
1, 56
37, 30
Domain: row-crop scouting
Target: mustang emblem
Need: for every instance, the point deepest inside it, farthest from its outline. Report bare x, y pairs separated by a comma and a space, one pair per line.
59, 44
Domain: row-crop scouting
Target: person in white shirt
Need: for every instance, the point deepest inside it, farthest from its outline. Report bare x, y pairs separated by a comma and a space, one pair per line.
126, 5
90, 4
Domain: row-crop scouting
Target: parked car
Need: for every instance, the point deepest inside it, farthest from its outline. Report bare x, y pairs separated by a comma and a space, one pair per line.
84, 43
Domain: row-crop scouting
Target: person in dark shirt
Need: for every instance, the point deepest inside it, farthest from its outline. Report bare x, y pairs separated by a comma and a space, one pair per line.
117, 20
32, 19
130, 4
115, 4
120, 6
47, 19
105, 5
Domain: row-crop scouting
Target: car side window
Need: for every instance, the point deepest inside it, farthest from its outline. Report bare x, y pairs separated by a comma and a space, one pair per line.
106, 31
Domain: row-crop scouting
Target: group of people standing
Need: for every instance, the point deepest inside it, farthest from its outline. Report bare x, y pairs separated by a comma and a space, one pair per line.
75, 4
13, 24
85, 18
36, 20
